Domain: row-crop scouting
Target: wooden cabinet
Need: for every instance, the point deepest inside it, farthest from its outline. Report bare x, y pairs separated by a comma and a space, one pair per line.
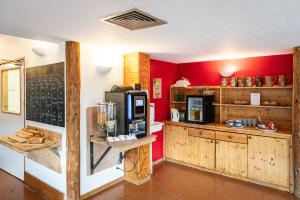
268, 160
168, 141
201, 152
231, 158
180, 143
263, 159
176, 143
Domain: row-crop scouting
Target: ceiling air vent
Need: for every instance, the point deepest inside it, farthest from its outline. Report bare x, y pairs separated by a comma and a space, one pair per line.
134, 19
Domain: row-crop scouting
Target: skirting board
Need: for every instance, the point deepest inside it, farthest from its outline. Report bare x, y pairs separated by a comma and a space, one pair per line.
158, 161
42, 188
137, 182
108, 185
287, 189
100, 189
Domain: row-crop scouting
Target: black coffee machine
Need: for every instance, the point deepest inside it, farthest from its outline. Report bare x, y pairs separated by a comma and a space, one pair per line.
131, 110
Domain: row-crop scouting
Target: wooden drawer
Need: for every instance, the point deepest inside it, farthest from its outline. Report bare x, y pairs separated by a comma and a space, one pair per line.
195, 132
231, 137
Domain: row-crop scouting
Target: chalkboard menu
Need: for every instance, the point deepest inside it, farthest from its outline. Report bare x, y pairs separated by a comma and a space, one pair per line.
45, 94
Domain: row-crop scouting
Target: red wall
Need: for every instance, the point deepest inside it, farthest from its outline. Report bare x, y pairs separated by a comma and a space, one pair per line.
168, 73
207, 72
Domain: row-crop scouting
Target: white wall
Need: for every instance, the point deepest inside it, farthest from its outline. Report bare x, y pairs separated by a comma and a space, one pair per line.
93, 86
14, 47
10, 49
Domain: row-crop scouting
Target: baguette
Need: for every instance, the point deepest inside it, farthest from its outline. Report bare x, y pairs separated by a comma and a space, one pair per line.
36, 133
36, 140
24, 134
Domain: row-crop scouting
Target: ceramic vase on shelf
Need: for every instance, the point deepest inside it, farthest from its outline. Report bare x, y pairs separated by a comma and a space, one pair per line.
283, 80
259, 81
269, 81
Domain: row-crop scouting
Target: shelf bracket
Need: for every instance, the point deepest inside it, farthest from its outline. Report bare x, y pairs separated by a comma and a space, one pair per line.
93, 165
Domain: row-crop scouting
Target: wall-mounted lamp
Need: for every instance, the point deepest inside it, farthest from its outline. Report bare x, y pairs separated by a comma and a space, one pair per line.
228, 71
40, 51
104, 69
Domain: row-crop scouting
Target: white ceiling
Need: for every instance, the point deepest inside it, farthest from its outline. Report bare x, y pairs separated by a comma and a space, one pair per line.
196, 30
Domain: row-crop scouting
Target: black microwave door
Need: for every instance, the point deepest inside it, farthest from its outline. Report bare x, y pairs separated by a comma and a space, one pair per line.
195, 109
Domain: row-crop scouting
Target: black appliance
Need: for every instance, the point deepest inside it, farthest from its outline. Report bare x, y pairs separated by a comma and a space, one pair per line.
131, 110
199, 109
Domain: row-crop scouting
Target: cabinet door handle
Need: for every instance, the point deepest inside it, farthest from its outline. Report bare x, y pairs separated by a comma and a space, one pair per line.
249, 137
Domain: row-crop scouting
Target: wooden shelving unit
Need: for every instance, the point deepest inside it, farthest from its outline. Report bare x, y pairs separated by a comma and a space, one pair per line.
225, 108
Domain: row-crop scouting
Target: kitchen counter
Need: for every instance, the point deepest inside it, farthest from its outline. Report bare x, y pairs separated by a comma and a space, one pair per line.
248, 154
123, 146
24, 148
281, 133
14, 155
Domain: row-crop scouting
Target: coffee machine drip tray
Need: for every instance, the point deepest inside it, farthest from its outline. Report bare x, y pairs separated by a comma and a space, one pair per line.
137, 128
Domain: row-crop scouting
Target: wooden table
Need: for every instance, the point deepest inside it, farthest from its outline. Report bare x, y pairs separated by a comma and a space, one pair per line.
121, 146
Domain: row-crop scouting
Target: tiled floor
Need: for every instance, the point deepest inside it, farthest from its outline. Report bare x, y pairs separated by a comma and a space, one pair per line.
12, 188
174, 182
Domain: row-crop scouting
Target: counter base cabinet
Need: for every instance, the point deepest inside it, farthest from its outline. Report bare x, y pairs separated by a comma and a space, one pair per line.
263, 160
201, 152
176, 143
168, 141
231, 158
268, 160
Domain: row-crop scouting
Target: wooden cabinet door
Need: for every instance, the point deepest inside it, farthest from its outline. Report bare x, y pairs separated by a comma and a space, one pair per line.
268, 160
201, 152
168, 141
231, 158
180, 143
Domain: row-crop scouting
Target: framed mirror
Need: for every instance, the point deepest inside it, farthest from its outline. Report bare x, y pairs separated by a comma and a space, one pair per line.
11, 90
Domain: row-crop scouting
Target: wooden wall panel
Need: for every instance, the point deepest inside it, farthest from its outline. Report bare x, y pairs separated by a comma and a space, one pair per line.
296, 117
73, 119
42, 188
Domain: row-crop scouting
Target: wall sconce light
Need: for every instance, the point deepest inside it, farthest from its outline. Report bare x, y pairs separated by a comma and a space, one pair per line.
228, 71
39, 51
104, 69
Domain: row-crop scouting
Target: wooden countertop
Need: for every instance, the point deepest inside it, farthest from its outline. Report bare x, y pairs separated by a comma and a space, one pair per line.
52, 140
122, 146
281, 133
26, 148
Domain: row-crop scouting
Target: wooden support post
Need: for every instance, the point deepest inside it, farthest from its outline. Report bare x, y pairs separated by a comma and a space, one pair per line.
73, 119
137, 70
296, 118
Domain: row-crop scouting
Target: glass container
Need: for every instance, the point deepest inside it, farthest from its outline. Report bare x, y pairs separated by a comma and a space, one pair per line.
111, 122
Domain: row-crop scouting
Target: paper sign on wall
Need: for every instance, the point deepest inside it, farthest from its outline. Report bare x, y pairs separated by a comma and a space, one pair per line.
157, 88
